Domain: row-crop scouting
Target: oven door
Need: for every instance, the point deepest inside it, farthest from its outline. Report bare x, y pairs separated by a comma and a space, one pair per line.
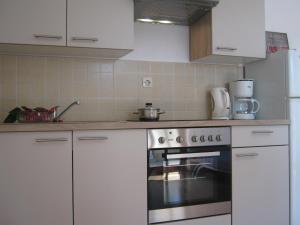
188, 183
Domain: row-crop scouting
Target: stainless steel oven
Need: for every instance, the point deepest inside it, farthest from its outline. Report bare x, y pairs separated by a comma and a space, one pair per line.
189, 173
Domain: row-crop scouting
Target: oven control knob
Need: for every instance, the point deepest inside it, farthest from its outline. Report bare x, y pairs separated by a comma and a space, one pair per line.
202, 138
210, 138
195, 139
179, 139
219, 138
161, 140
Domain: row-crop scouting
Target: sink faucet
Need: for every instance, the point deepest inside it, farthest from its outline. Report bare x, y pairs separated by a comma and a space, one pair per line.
63, 112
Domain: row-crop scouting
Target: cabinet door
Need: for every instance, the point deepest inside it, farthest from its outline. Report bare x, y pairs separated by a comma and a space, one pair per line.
110, 177
36, 178
260, 189
38, 22
238, 28
100, 23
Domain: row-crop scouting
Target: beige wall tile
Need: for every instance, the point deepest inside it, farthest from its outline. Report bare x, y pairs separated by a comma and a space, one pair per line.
179, 68
9, 63
226, 74
80, 90
92, 89
106, 105
80, 76
185, 75
87, 106
8, 104
124, 66
160, 80
106, 67
110, 90
126, 85
157, 68
30, 102
144, 67
145, 92
106, 85
161, 68
126, 104
66, 89
8, 69
8, 90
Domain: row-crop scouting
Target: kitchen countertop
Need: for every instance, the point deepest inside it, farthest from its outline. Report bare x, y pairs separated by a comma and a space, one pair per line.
116, 125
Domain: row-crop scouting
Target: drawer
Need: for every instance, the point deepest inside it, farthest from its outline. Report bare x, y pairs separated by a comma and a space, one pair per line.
245, 136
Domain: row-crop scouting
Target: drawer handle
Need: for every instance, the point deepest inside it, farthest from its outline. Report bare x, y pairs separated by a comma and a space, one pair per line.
262, 132
226, 49
246, 155
85, 39
45, 140
47, 36
92, 138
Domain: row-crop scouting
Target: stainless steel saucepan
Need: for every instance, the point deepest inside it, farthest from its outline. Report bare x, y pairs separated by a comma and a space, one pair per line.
149, 113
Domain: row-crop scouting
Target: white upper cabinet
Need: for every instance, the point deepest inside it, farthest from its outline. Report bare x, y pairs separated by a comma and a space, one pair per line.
100, 24
37, 22
238, 28
233, 32
104, 28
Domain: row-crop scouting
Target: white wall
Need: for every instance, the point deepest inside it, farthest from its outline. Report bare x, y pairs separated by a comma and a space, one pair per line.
284, 16
167, 43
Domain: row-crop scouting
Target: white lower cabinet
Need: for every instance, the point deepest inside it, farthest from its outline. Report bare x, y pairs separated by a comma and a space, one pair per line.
214, 220
110, 177
260, 177
36, 178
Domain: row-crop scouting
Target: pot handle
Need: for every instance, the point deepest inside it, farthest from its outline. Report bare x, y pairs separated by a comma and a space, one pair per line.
163, 112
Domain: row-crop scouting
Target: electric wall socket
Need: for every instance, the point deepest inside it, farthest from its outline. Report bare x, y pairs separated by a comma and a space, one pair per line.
147, 82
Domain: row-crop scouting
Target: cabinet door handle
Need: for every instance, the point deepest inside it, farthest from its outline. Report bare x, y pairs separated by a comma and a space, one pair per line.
262, 132
246, 155
47, 36
84, 39
226, 48
92, 138
45, 140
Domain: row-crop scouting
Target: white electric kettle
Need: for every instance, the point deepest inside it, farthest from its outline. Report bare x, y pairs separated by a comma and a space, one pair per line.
220, 101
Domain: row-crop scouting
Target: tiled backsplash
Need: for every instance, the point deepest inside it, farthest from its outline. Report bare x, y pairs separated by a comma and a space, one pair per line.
109, 90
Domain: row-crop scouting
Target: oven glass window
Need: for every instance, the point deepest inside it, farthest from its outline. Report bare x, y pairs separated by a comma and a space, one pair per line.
188, 176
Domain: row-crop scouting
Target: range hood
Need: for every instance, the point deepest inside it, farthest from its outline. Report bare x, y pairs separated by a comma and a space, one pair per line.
180, 12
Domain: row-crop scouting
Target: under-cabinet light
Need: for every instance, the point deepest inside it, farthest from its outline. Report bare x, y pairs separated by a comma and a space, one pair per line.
164, 21
146, 20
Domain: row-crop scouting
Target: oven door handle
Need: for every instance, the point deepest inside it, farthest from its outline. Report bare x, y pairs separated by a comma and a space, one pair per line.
192, 155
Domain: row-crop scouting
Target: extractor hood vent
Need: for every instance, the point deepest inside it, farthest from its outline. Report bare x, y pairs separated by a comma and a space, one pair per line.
180, 12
